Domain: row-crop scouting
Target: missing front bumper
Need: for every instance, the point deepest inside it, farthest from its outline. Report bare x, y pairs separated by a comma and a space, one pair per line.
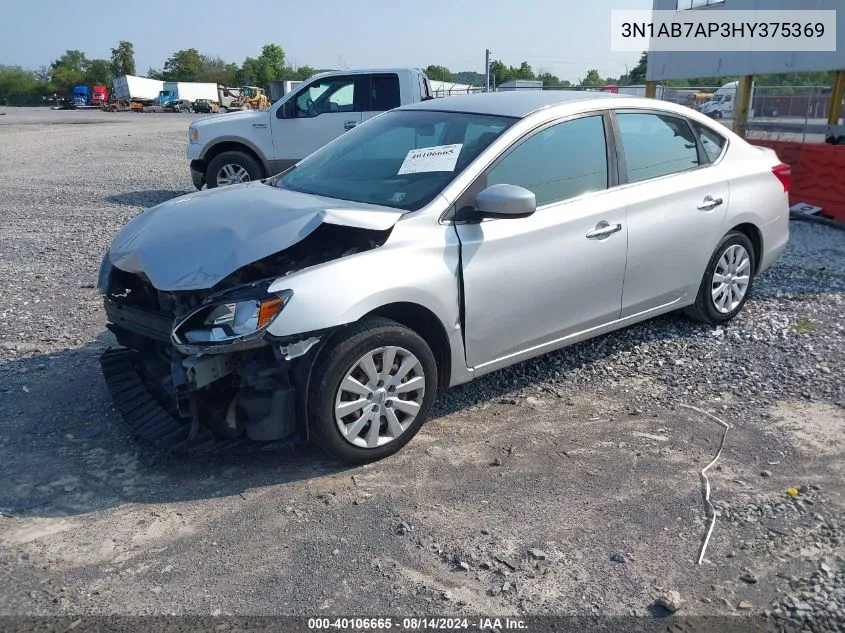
148, 420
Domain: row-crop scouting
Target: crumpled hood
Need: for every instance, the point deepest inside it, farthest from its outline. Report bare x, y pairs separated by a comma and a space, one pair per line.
194, 241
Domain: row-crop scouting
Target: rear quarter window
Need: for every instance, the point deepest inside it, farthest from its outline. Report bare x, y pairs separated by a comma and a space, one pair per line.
712, 142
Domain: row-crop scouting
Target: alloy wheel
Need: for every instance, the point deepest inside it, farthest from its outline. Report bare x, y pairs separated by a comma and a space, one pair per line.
379, 397
731, 278
231, 175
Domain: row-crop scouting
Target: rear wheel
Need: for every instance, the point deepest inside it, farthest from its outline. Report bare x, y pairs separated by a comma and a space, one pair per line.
231, 168
373, 387
727, 280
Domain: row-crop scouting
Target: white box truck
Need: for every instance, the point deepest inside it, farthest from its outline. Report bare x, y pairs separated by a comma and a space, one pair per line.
721, 105
186, 91
130, 87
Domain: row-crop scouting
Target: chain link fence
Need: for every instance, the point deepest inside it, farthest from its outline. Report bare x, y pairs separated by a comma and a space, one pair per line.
789, 113
794, 113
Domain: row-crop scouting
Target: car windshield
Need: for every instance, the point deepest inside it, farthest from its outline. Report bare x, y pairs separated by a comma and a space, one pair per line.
401, 159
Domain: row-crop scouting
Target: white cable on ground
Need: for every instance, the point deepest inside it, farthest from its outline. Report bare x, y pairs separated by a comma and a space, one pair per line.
711, 511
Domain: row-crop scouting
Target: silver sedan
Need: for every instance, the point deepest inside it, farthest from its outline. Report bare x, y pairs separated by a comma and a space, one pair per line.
431, 245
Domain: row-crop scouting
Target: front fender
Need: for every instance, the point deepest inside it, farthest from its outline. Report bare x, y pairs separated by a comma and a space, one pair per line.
421, 270
418, 264
210, 148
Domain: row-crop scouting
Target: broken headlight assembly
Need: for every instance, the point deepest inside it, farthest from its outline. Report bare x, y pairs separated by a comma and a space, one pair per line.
232, 319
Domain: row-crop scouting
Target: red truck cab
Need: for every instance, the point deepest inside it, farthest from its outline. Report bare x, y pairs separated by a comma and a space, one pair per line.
100, 95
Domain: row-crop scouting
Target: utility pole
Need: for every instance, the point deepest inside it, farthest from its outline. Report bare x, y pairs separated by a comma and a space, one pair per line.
487, 70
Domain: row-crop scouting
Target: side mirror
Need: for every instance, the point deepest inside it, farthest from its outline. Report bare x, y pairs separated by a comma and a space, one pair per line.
505, 201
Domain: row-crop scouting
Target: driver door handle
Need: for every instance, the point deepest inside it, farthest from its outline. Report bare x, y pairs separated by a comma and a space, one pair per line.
603, 229
709, 203
348, 125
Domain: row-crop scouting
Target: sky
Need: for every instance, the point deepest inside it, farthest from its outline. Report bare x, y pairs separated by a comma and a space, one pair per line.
565, 37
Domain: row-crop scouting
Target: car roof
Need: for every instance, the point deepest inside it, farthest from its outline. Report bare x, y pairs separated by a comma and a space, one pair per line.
515, 103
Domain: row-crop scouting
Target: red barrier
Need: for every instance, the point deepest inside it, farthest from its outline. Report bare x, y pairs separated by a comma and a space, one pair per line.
818, 174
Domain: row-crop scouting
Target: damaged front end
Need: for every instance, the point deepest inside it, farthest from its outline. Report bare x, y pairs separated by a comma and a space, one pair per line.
197, 369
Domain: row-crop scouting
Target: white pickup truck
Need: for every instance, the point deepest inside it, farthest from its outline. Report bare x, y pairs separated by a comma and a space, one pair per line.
225, 149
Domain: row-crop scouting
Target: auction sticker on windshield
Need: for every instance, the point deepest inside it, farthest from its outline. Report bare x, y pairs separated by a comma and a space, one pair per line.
437, 158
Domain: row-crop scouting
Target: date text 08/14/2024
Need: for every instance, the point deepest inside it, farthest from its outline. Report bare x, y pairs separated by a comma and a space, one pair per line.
417, 624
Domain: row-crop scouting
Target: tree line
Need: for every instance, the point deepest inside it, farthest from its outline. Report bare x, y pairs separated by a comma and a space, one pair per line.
500, 73
20, 86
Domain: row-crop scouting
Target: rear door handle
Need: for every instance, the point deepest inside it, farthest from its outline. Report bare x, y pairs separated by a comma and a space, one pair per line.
603, 229
348, 125
709, 203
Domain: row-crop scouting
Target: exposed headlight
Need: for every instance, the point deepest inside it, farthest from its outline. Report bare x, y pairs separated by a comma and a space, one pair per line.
193, 135
229, 321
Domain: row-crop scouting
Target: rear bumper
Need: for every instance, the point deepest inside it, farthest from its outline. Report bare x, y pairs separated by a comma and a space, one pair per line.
775, 238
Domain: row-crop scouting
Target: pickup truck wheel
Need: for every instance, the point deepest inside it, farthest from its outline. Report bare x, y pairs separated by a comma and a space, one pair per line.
373, 387
231, 168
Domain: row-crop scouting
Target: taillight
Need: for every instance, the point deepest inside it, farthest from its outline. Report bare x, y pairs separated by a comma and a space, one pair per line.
783, 172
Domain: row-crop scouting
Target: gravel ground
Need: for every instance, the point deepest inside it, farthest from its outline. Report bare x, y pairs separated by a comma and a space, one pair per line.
566, 485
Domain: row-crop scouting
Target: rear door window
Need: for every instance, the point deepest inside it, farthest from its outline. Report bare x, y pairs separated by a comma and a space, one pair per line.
656, 145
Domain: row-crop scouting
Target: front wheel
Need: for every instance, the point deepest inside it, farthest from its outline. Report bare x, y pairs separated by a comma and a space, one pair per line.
231, 168
727, 280
373, 387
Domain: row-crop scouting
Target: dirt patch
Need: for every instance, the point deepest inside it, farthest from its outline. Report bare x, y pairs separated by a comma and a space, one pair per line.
815, 427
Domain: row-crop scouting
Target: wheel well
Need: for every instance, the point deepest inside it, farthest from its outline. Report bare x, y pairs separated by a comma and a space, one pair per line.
233, 146
753, 234
429, 327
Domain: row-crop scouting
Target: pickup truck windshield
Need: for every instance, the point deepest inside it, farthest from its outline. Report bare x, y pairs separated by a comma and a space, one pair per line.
401, 159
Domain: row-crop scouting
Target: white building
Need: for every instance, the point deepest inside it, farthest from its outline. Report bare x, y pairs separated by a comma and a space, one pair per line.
520, 84
449, 88
664, 65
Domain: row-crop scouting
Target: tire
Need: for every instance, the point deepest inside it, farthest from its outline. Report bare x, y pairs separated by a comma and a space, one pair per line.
341, 356
717, 114
705, 307
234, 158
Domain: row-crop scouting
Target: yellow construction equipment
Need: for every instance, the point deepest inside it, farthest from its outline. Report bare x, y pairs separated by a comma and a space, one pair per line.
252, 98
